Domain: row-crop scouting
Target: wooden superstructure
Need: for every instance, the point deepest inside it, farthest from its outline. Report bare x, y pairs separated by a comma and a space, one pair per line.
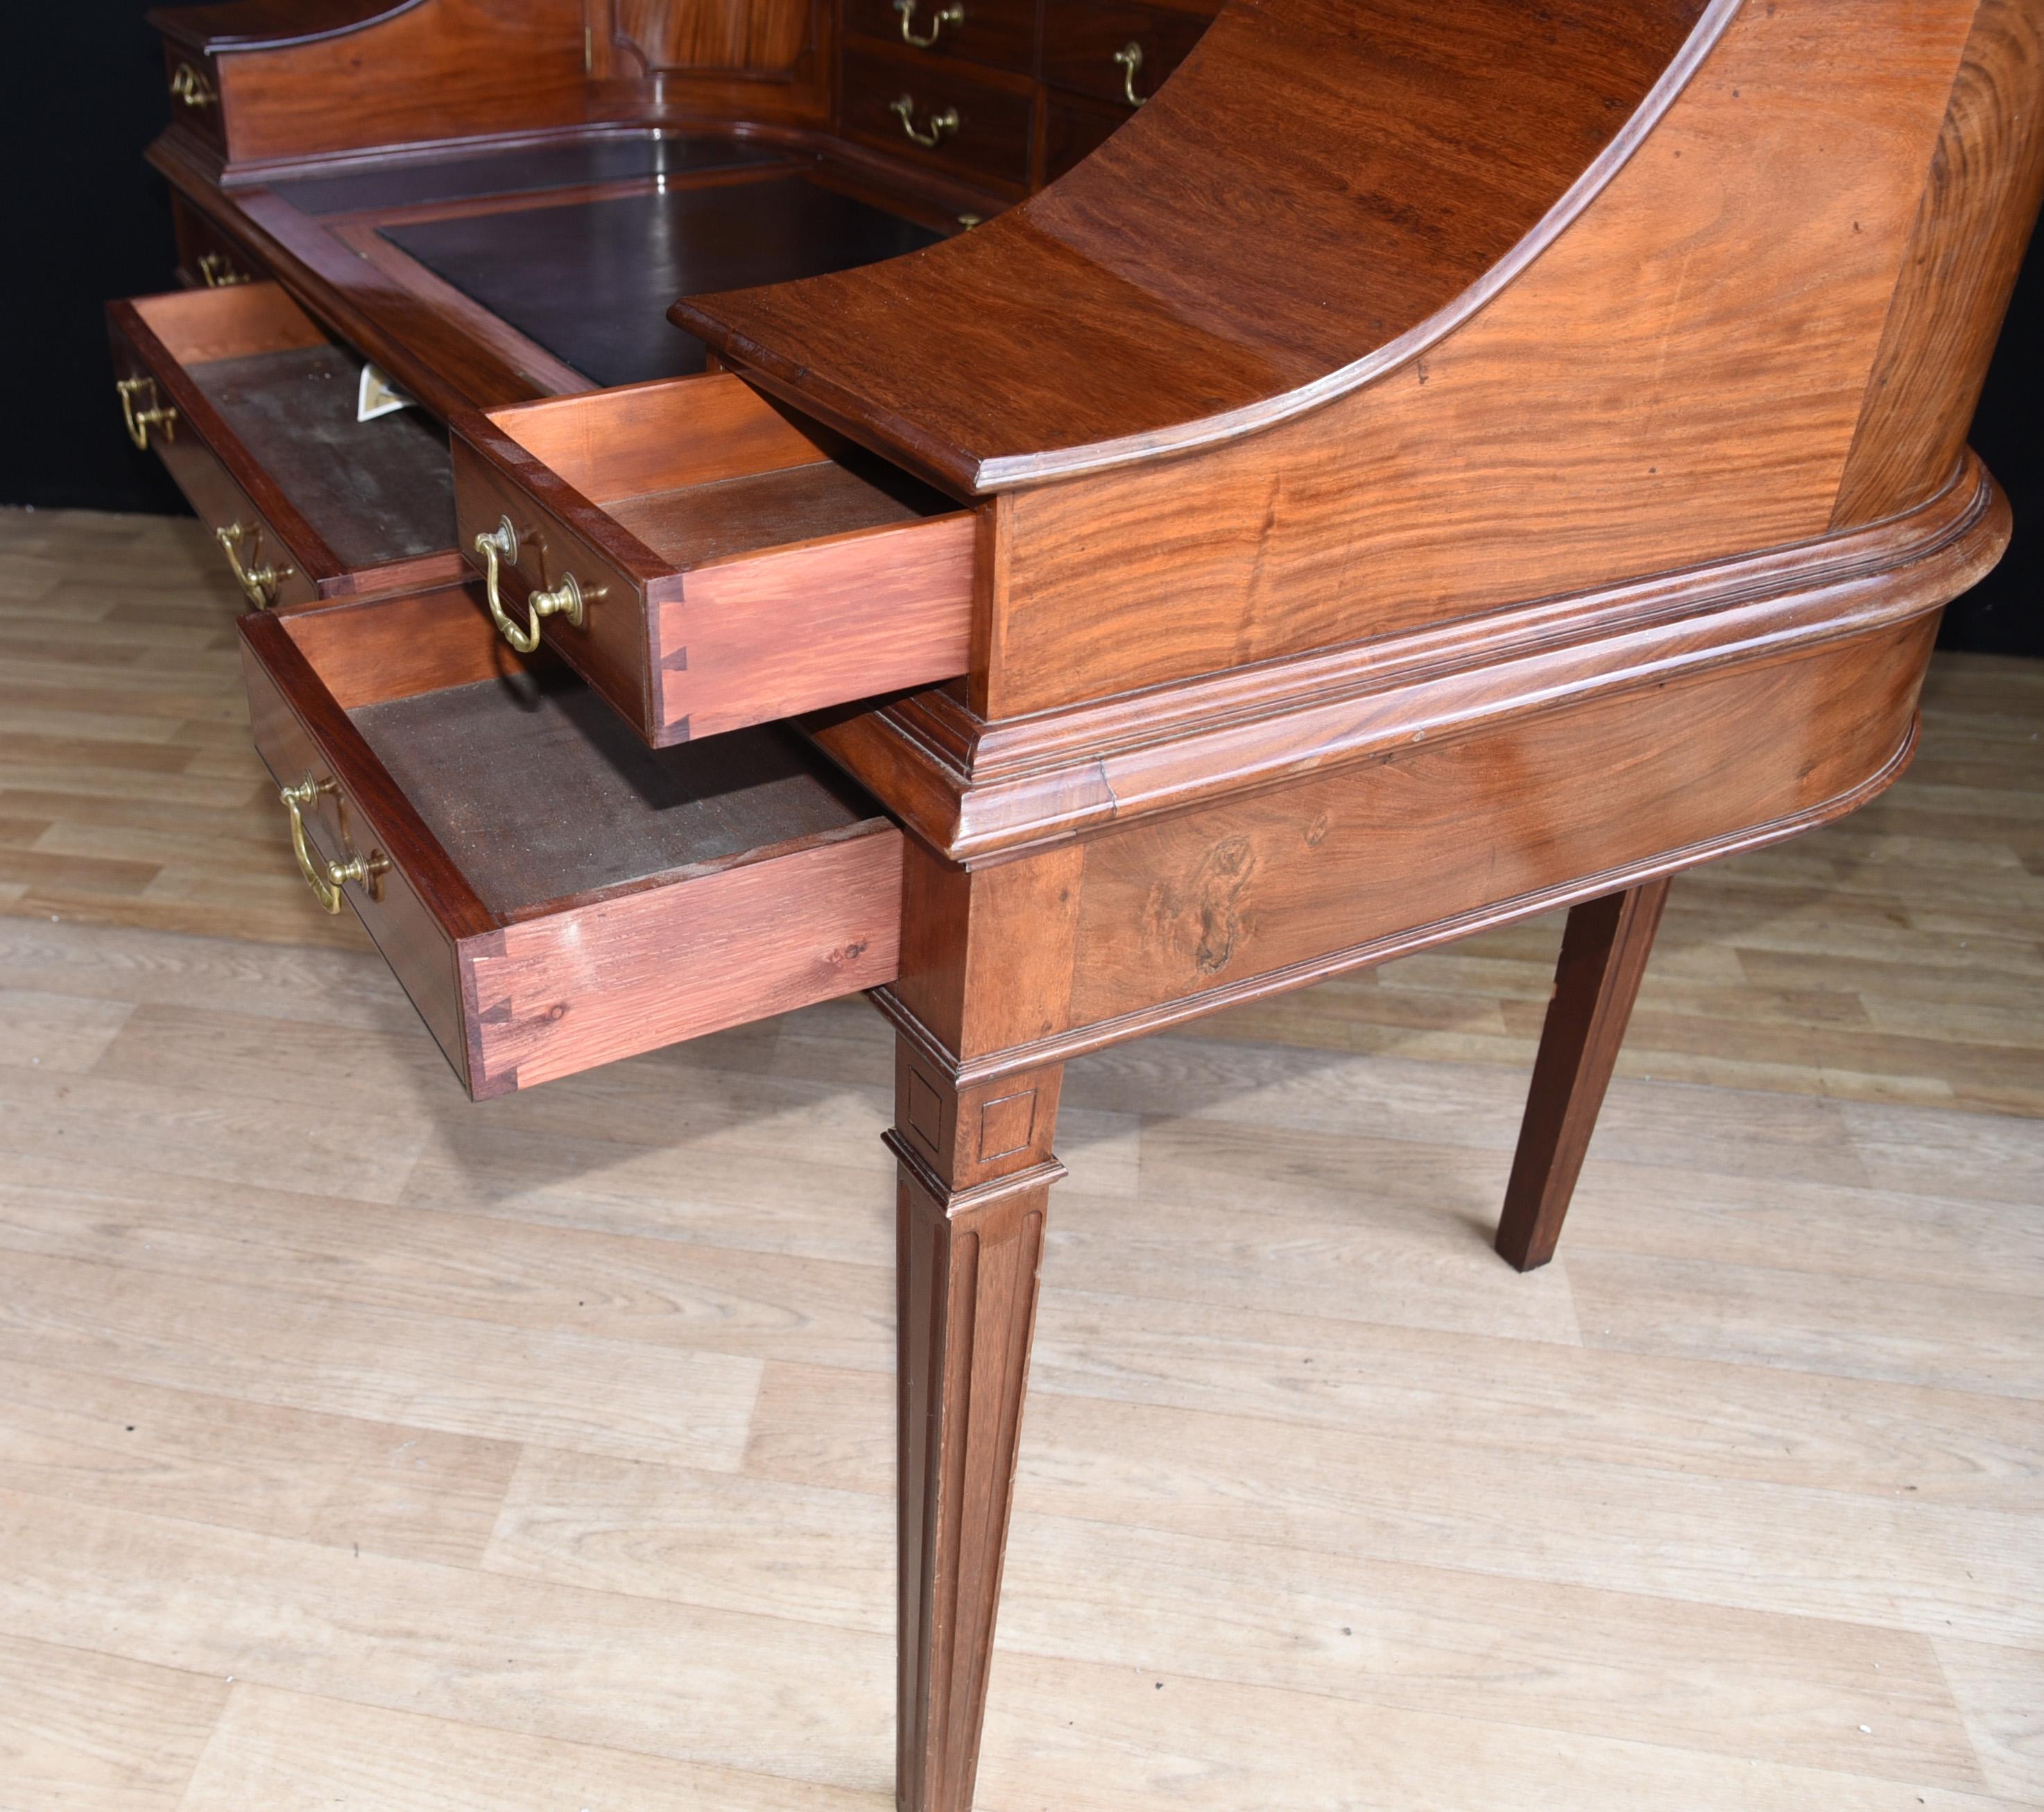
1068, 517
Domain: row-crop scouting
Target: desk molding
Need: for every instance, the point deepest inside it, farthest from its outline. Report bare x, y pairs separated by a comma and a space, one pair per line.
979, 791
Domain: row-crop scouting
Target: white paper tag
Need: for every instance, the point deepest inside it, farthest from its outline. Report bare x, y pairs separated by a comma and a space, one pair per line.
377, 396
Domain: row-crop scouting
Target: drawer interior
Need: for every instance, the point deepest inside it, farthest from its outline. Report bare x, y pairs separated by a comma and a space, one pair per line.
540, 792
732, 563
376, 491
705, 469
540, 796
552, 893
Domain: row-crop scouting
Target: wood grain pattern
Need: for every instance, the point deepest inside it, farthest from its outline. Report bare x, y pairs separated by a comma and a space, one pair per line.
406, 646
1181, 275
1676, 380
1603, 956
1887, 958
1978, 206
978, 789
766, 35
553, 995
439, 69
975, 1170
747, 59
126, 1734
737, 573
808, 625
1764, 1523
526, 985
638, 438
1416, 442
1189, 904
258, 24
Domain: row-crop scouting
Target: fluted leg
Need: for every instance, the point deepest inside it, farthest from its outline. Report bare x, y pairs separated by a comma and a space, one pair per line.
976, 1170
1604, 955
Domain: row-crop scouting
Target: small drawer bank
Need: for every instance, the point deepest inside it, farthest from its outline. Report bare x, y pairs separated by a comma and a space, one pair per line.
552, 894
705, 562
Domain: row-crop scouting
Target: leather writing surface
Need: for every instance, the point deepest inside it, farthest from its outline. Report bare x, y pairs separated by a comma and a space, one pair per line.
530, 170
591, 282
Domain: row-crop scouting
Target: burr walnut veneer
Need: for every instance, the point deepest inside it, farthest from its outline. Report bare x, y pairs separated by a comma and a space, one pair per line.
1427, 465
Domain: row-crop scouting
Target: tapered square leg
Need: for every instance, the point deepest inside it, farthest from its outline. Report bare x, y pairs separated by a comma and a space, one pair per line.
976, 1170
1604, 955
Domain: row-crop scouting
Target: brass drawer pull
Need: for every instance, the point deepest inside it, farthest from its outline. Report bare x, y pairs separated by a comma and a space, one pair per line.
565, 600
940, 128
259, 583
140, 421
218, 271
1128, 60
188, 86
325, 878
949, 16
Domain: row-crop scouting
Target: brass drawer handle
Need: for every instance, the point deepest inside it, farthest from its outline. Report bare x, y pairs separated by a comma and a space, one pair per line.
1128, 60
218, 271
325, 878
565, 600
949, 16
140, 421
188, 86
259, 583
940, 128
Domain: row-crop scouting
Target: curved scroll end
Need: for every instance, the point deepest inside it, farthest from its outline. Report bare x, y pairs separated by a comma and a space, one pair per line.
1323, 188
270, 24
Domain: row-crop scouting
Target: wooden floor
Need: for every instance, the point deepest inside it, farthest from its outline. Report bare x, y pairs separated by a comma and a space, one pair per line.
361, 1447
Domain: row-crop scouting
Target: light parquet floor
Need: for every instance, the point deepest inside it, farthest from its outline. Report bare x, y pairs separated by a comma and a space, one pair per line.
362, 1447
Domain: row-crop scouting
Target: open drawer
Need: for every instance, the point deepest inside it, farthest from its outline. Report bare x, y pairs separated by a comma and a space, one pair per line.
253, 410
706, 562
552, 893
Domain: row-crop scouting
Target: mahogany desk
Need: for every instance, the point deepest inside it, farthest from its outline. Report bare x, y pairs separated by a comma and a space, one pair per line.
1083, 550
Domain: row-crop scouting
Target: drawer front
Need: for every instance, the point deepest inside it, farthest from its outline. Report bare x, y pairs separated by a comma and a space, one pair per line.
1117, 51
1002, 33
612, 646
420, 951
758, 598
954, 120
562, 993
520, 993
1073, 130
271, 575
166, 415
208, 258
195, 102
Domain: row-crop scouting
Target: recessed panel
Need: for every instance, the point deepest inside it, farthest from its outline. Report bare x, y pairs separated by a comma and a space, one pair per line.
591, 281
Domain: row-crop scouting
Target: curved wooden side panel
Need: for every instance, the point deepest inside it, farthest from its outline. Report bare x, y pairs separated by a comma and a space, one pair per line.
1677, 380
1320, 181
1964, 250
1251, 896
434, 69
1212, 899
264, 25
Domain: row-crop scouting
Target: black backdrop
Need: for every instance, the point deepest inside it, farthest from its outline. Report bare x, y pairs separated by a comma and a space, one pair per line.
86, 220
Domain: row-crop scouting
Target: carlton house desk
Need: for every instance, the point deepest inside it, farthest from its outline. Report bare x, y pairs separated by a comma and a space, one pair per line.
1064, 516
